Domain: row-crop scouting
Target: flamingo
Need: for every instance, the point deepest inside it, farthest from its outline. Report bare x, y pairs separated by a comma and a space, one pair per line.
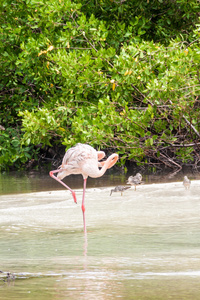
83, 159
119, 188
135, 180
186, 182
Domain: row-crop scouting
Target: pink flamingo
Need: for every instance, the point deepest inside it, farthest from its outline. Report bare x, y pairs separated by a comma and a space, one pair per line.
83, 159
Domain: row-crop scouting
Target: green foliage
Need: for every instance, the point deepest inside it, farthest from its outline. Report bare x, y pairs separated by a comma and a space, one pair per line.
120, 75
42, 125
159, 20
185, 155
12, 154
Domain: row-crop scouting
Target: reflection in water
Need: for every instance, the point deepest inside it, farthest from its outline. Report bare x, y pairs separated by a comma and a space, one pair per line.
85, 243
142, 245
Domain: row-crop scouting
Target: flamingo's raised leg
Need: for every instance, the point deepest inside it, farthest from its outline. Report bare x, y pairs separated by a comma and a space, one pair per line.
51, 173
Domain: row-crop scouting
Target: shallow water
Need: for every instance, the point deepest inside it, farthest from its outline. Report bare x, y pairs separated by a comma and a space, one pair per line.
141, 245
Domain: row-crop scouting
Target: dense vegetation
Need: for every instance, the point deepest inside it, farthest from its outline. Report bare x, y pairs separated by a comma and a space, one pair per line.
119, 75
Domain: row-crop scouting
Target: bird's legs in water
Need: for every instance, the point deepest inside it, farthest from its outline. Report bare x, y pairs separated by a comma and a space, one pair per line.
83, 204
51, 173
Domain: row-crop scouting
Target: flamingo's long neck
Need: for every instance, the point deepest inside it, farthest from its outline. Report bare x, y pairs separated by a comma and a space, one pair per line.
111, 160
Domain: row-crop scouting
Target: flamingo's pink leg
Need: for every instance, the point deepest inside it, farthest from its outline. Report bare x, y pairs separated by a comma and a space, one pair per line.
83, 204
51, 173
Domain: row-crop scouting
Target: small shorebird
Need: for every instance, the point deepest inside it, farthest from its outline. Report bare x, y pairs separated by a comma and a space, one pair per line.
119, 188
186, 182
135, 180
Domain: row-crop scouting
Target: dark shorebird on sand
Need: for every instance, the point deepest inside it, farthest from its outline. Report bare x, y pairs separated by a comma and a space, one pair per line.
119, 188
